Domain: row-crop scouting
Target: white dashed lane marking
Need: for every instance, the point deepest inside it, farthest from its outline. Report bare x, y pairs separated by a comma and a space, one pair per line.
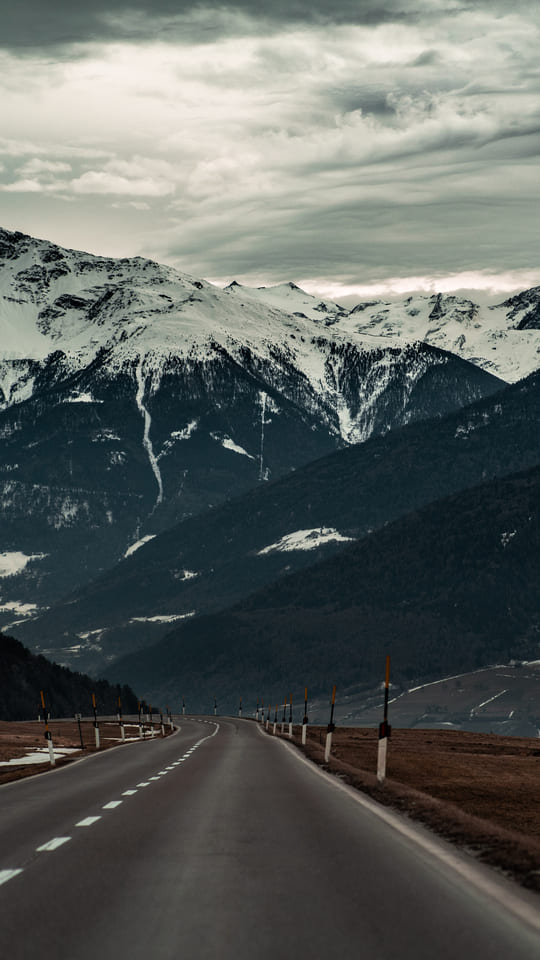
87, 822
129, 793
53, 844
112, 804
6, 875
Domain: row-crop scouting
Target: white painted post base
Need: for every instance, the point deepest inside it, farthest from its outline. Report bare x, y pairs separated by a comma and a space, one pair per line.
152, 728
381, 760
328, 746
275, 728
122, 732
290, 730
267, 722
183, 711
140, 732
162, 730
304, 734
51, 753
96, 729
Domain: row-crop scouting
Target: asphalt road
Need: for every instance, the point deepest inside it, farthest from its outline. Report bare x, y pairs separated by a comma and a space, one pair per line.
220, 844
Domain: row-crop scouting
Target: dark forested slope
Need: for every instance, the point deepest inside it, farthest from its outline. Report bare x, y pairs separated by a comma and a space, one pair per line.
23, 675
446, 589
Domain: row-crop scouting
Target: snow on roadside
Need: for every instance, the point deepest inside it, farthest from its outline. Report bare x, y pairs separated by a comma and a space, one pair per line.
41, 755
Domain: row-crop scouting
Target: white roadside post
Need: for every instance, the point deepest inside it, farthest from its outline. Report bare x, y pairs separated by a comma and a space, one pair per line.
275, 722
162, 725
151, 721
139, 708
215, 707
257, 713
305, 720
290, 717
240, 708
330, 728
284, 717
183, 707
267, 724
96, 725
48, 736
120, 721
385, 730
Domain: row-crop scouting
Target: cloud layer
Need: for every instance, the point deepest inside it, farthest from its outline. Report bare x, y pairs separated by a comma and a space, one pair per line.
343, 150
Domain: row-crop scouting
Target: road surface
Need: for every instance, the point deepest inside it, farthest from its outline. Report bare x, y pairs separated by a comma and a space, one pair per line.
220, 843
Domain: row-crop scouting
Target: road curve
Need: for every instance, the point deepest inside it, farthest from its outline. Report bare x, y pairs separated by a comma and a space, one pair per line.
219, 843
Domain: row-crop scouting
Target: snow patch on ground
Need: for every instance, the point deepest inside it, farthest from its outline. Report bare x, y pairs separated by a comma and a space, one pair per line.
305, 540
14, 561
165, 618
138, 544
41, 755
22, 609
82, 398
231, 445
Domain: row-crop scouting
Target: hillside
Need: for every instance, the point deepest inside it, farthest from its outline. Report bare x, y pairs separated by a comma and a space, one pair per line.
447, 589
23, 676
211, 561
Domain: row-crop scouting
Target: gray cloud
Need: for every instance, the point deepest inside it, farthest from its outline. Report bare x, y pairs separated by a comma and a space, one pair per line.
35, 24
289, 147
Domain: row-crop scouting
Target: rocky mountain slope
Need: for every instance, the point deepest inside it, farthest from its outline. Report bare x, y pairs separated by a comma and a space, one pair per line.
503, 338
133, 396
218, 557
446, 589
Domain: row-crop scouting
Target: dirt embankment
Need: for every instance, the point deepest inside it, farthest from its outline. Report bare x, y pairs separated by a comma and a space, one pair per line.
480, 791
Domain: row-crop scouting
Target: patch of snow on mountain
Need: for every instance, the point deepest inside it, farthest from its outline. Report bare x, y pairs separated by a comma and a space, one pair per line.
231, 445
305, 540
164, 618
138, 544
13, 562
81, 398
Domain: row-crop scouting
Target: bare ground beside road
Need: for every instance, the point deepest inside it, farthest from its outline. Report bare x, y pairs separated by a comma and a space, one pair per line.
19, 739
480, 791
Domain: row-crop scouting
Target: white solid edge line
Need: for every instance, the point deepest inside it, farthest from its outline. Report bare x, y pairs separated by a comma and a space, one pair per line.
52, 844
87, 822
6, 875
503, 896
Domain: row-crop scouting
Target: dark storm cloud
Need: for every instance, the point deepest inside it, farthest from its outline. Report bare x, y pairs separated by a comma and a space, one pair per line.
32, 24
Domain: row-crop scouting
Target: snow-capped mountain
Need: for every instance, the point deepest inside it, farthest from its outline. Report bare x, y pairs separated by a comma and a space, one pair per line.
503, 339
132, 396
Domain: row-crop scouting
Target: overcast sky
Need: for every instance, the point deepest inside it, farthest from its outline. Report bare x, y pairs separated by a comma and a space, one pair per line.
353, 146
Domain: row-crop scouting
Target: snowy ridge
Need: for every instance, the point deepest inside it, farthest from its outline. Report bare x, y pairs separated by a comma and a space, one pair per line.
503, 339
128, 310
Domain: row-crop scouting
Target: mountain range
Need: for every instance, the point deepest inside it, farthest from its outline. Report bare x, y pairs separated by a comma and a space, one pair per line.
172, 450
